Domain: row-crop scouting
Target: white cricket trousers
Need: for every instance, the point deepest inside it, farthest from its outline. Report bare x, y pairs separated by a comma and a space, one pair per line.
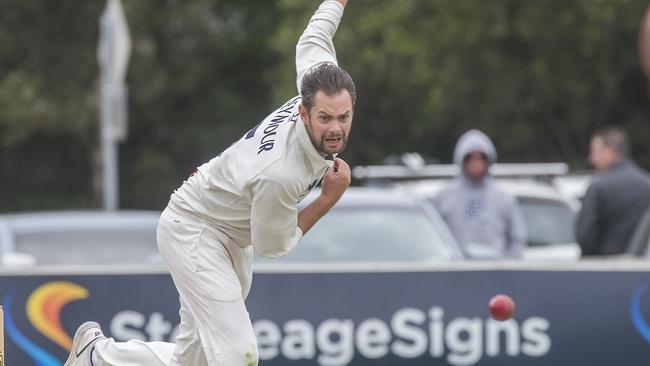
215, 328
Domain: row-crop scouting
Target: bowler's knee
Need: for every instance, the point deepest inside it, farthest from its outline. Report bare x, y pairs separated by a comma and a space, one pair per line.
251, 357
243, 354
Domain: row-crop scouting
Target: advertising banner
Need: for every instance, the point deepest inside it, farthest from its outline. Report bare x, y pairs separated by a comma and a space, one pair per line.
371, 318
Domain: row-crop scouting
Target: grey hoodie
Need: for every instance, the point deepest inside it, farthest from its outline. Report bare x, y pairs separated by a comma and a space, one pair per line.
485, 220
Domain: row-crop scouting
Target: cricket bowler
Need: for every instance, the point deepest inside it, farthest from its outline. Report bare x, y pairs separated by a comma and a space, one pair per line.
240, 202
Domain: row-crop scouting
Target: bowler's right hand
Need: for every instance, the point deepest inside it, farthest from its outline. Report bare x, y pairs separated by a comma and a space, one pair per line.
336, 181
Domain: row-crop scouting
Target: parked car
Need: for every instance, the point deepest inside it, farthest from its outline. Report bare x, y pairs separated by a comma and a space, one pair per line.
573, 186
549, 216
549, 212
550, 220
375, 225
62, 238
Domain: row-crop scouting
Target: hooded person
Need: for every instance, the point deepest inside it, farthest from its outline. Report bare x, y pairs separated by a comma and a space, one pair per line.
485, 220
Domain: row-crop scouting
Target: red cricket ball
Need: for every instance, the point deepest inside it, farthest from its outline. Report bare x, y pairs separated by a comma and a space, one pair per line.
502, 307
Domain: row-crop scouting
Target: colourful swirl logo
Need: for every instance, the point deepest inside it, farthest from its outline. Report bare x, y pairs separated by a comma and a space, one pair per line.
43, 310
639, 321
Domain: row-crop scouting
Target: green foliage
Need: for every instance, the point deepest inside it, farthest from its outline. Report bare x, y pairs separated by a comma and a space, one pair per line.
195, 86
538, 77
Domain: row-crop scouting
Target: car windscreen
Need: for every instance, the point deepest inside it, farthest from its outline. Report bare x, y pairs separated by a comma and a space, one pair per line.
547, 222
88, 247
371, 234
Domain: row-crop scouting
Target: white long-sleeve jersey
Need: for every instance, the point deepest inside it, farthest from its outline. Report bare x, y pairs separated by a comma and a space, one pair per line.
250, 191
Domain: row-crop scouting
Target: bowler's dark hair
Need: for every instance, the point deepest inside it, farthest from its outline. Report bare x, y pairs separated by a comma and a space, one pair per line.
328, 78
614, 137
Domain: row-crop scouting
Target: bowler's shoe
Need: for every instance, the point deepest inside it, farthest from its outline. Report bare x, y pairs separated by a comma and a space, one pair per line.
83, 342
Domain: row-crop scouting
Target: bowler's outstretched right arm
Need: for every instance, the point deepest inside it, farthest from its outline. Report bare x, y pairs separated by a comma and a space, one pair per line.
315, 46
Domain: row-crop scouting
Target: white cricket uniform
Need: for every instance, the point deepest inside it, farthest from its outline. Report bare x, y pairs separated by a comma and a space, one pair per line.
241, 201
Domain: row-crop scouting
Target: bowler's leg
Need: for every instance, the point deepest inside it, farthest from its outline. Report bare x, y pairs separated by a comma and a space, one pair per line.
228, 338
91, 348
107, 352
213, 314
189, 350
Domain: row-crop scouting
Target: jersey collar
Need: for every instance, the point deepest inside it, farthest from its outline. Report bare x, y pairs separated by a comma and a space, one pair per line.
318, 162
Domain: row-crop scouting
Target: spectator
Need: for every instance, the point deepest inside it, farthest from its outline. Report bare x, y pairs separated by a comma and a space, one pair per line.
485, 220
616, 199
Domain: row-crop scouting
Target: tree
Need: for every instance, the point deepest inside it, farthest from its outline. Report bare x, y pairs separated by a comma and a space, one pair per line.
538, 77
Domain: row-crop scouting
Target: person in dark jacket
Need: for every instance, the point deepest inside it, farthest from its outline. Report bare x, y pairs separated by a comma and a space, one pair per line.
616, 199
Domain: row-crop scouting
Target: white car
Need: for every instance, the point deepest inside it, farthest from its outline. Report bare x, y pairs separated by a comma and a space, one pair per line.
550, 220
573, 186
549, 216
548, 197
375, 225
63, 238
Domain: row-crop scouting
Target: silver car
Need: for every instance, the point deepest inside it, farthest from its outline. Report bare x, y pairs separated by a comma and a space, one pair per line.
375, 225
61, 238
